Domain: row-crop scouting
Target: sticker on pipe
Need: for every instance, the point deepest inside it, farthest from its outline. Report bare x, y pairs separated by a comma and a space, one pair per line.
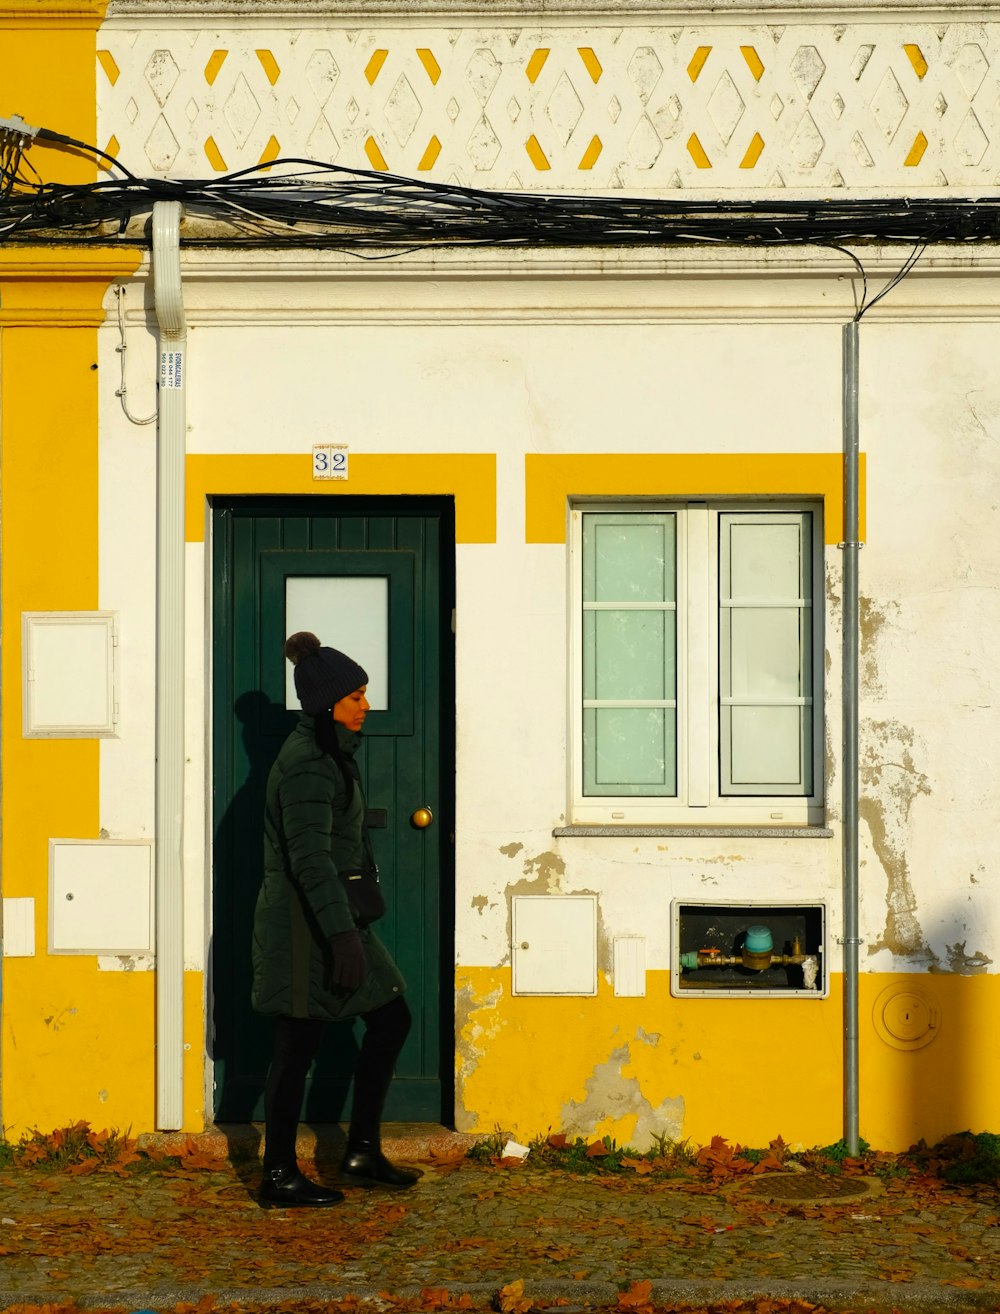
171, 369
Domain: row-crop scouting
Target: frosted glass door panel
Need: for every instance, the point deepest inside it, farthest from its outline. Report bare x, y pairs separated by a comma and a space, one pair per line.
346, 612
630, 750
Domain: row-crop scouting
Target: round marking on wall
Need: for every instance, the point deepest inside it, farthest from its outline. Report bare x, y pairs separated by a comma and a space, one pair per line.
906, 1017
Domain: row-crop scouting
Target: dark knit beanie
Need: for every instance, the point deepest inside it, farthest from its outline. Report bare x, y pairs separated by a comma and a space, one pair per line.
322, 675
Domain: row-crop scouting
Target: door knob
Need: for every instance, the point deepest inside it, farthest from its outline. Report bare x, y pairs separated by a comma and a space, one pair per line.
422, 818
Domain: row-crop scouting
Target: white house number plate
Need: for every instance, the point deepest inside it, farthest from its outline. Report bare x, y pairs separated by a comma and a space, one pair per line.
330, 461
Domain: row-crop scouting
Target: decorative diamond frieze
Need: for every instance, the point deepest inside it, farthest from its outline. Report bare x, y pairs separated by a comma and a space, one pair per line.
402, 110
726, 107
712, 106
161, 74
241, 111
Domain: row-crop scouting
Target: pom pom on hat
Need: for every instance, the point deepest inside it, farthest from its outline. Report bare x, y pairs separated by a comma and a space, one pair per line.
302, 644
322, 675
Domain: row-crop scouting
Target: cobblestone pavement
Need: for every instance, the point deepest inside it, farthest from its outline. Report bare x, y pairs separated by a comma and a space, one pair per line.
158, 1239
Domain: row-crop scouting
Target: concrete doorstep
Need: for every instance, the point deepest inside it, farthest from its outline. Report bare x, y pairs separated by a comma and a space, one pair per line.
408, 1142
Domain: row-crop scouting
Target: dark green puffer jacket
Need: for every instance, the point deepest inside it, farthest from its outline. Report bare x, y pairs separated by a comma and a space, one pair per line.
309, 835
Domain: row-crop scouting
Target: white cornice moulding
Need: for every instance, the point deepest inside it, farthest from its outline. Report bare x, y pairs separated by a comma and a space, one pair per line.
597, 264
300, 288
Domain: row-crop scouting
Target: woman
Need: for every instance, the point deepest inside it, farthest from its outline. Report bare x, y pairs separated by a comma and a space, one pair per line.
315, 958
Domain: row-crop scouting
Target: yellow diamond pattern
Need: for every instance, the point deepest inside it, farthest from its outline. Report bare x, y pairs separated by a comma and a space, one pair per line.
375, 157
916, 151
374, 66
432, 67
916, 58
591, 63
112, 149
429, 157
753, 62
107, 62
535, 65
214, 65
215, 156
591, 155
270, 66
697, 152
698, 61
651, 107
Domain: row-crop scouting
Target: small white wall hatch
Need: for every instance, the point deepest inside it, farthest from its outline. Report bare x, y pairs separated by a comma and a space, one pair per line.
100, 896
18, 928
554, 944
630, 966
69, 674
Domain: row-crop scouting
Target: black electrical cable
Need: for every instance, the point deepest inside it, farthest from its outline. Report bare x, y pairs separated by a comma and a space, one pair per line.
308, 203
46, 134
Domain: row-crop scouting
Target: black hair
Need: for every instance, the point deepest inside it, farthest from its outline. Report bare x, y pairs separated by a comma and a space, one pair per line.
326, 739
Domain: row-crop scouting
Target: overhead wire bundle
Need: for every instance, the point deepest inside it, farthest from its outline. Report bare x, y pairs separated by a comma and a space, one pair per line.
307, 203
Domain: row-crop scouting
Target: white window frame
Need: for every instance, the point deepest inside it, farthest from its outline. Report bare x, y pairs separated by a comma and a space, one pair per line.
699, 801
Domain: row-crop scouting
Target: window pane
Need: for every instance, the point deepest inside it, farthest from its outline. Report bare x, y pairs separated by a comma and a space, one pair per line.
629, 654
629, 558
349, 612
765, 559
629, 750
765, 652
768, 751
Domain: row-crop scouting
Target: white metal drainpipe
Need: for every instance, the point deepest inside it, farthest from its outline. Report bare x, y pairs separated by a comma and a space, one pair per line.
169, 865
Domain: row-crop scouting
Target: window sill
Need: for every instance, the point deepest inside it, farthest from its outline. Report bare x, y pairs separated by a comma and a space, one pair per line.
706, 832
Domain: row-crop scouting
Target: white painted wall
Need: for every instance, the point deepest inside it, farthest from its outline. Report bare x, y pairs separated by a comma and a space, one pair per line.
286, 350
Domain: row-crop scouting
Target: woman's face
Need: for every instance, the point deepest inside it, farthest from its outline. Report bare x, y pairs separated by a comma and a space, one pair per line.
352, 709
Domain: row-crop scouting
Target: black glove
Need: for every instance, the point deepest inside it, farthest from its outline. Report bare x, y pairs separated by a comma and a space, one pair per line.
349, 962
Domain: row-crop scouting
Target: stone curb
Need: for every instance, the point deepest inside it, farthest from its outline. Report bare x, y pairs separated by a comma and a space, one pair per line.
918, 1298
416, 1143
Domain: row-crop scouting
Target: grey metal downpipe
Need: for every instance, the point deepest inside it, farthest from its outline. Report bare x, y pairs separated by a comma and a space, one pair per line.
851, 548
170, 563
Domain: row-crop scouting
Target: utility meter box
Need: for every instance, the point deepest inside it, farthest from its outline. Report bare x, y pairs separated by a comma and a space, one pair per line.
748, 950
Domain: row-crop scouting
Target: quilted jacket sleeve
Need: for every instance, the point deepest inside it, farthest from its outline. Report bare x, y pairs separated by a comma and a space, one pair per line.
311, 808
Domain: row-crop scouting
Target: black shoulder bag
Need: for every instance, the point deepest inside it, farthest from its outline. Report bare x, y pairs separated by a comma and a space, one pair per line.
364, 893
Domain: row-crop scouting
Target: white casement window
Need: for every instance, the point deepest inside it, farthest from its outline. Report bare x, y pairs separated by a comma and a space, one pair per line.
697, 660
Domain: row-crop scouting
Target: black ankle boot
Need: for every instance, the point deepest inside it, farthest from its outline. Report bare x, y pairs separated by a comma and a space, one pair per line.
365, 1165
288, 1187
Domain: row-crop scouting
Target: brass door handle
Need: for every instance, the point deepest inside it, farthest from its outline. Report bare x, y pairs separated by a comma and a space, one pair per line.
422, 818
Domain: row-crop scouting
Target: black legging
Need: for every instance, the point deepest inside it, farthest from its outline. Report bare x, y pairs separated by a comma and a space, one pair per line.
296, 1040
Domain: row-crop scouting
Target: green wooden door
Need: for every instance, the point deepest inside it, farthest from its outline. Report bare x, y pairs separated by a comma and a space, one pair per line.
374, 577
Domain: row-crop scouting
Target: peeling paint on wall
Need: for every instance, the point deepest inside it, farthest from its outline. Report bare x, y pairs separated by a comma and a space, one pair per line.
59, 1020
125, 962
511, 850
480, 902
548, 868
966, 964
476, 1023
872, 621
613, 1097
890, 785
542, 875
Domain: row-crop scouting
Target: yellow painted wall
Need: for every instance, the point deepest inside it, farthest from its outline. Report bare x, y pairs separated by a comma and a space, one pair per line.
70, 1032
75, 1041
47, 54
746, 1069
